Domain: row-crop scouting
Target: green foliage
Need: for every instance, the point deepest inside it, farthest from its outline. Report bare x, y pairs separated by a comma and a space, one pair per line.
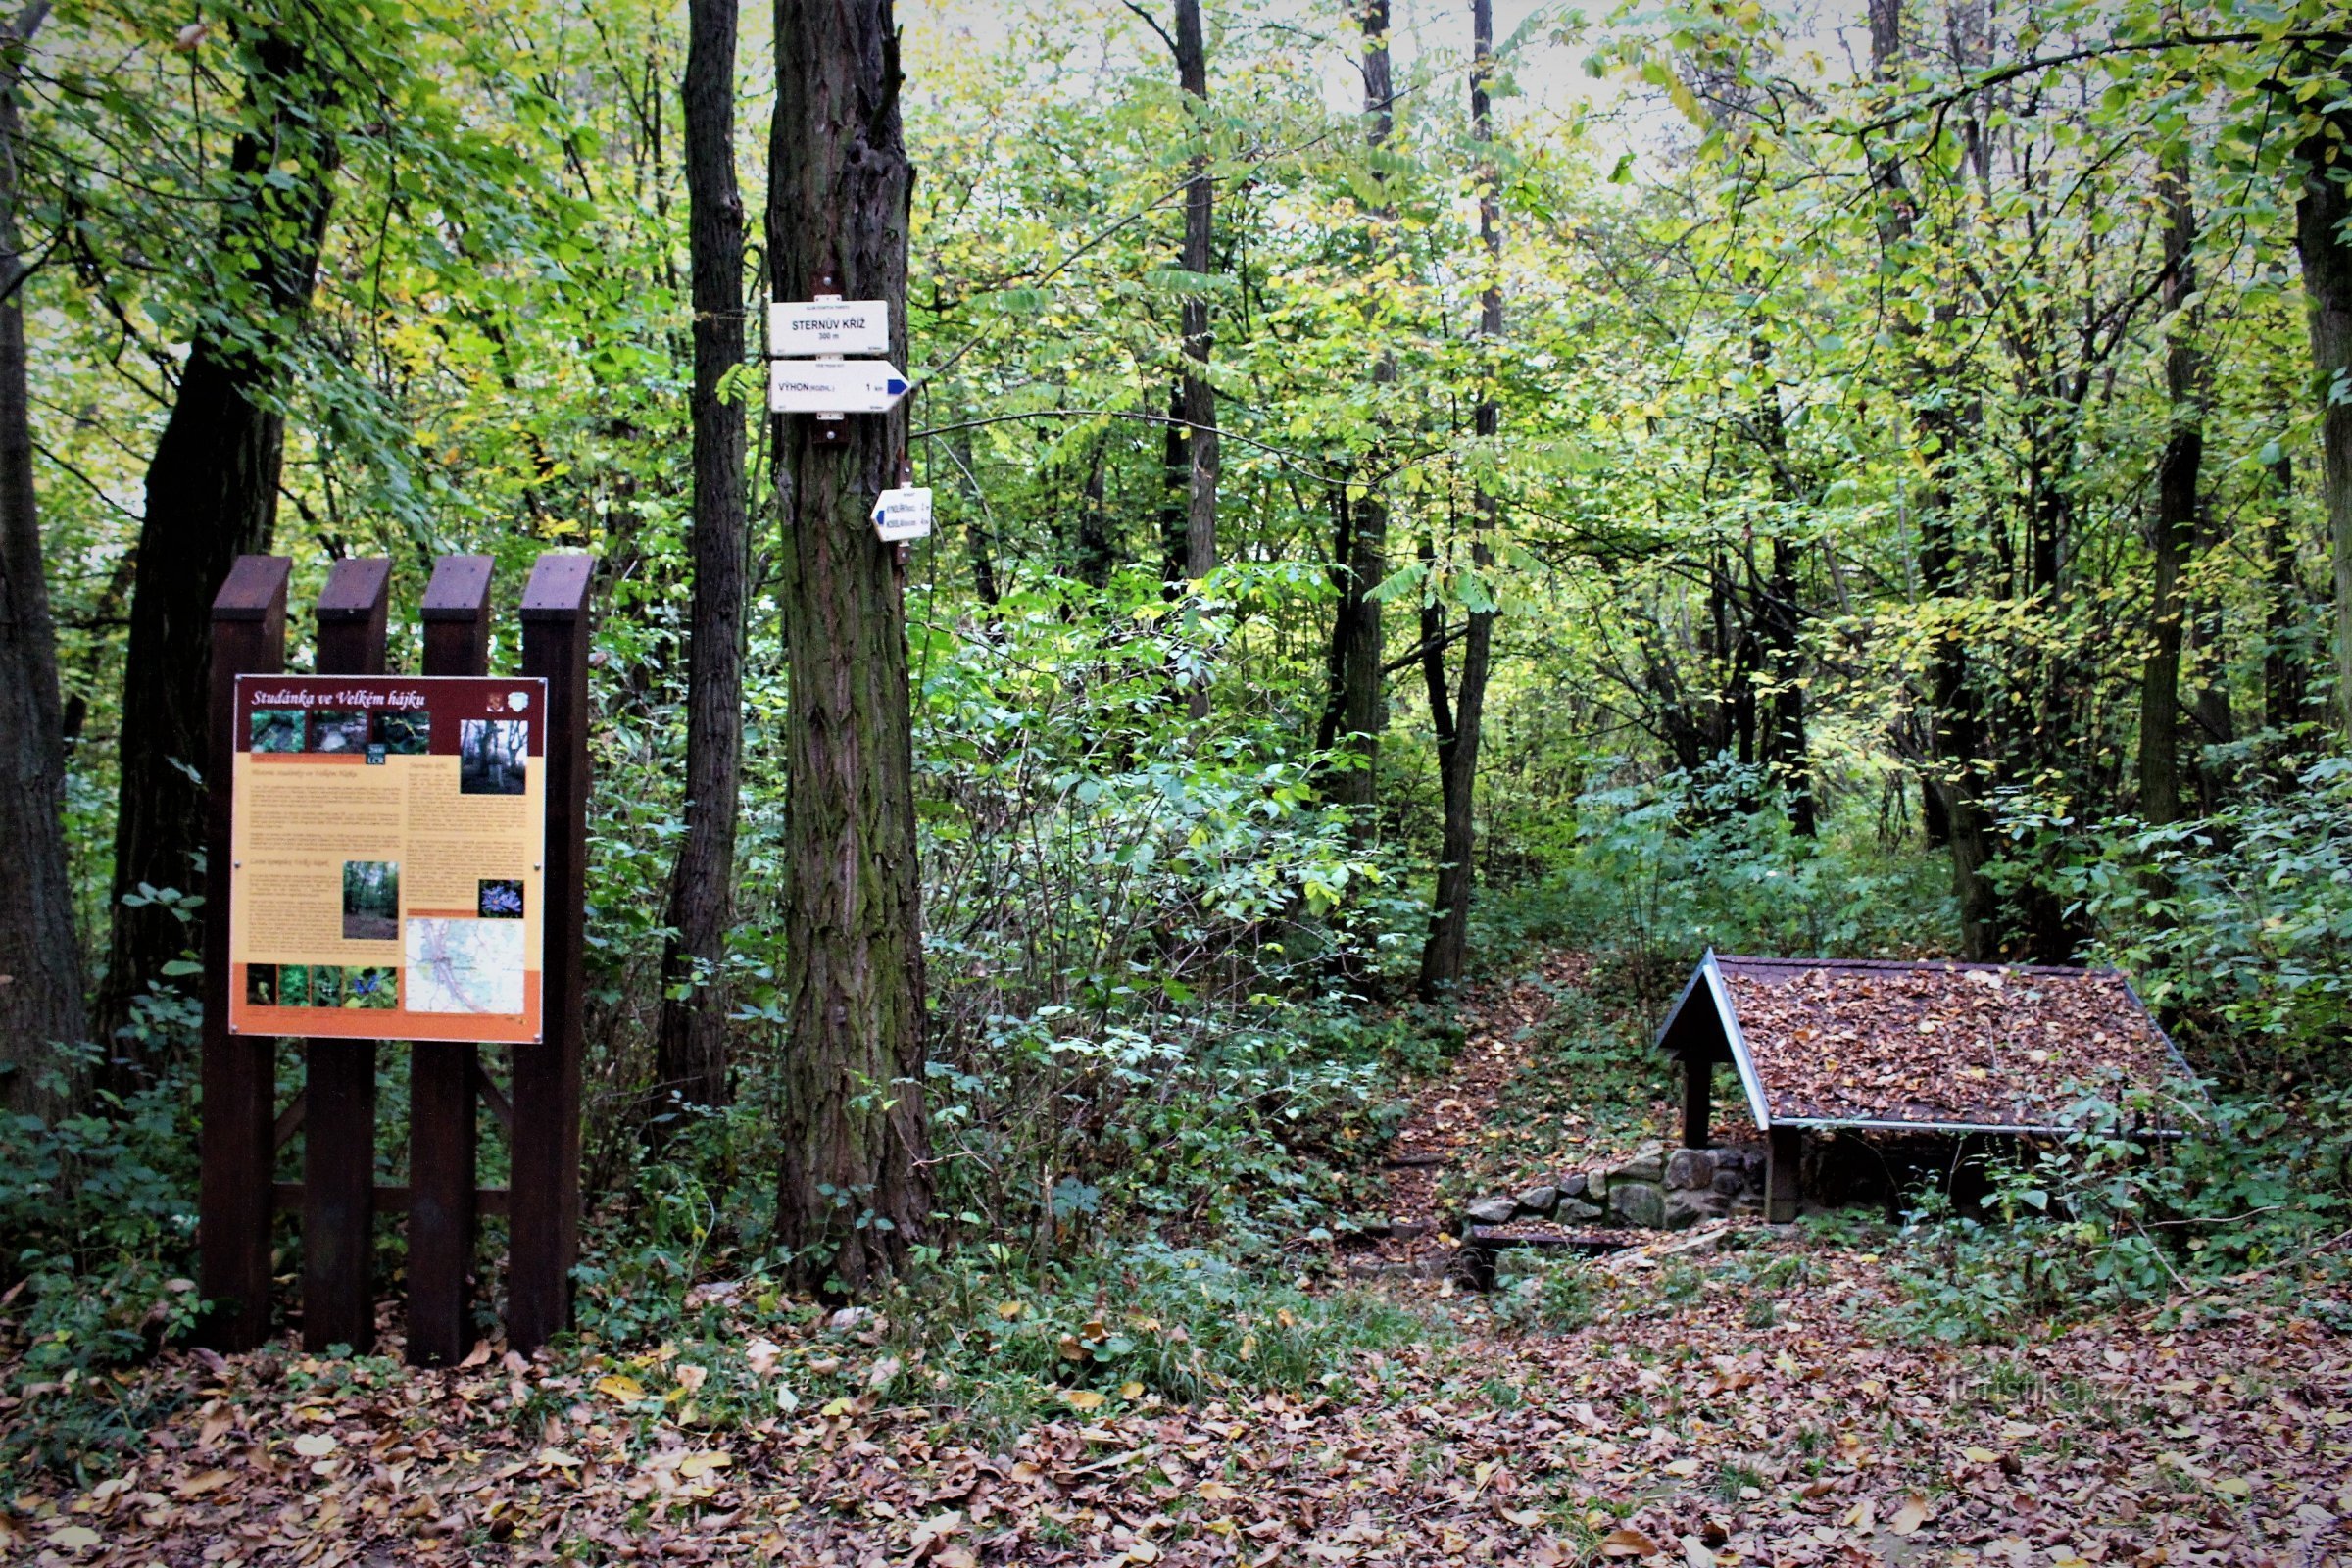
2104, 1221
1177, 1323
1554, 1295
2237, 927
100, 1215
1663, 870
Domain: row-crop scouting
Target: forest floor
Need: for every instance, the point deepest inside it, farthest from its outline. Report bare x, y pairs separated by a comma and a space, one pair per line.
1731, 1395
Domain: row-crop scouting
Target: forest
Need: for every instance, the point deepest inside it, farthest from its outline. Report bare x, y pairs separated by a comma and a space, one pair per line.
1446, 514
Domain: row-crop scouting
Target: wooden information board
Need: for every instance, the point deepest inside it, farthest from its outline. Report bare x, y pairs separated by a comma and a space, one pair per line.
388, 858
386, 895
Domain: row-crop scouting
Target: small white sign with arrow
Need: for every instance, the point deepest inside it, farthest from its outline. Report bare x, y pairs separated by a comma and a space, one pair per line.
855, 386
828, 326
903, 513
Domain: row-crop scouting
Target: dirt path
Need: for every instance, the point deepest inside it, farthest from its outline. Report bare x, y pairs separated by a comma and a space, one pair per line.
1456, 1114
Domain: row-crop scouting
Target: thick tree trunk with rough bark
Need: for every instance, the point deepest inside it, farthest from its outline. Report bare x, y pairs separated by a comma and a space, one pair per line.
2324, 204
691, 1048
1445, 949
212, 496
851, 1194
2176, 520
40, 953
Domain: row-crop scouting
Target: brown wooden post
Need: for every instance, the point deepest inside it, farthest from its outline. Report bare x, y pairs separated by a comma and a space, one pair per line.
1699, 1096
234, 1202
441, 1072
1784, 1145
545, 1193
338, 1126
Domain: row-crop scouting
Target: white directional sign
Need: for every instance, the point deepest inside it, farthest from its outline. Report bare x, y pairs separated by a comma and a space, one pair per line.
828, 326
857, 386
903, 513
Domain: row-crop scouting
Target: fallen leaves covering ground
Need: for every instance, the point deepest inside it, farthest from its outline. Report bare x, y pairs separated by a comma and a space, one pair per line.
1933, 1043
1671, 1428
1453, 1125
1727, 1396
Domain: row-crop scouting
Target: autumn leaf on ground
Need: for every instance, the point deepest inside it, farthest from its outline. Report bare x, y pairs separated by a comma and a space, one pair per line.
620, 1386
1910, 1516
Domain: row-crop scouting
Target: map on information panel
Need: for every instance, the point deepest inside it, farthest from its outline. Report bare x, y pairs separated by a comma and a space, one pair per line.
387, 856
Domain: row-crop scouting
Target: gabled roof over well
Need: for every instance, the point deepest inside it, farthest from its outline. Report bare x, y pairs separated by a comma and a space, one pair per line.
1931, 1045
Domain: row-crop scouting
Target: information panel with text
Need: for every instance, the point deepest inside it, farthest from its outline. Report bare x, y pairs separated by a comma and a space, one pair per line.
388, 853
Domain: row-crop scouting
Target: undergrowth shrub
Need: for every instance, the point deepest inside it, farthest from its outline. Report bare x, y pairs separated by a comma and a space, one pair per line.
98, 1211
1664, 868
2237, 928
2104, 1221
1180, 1323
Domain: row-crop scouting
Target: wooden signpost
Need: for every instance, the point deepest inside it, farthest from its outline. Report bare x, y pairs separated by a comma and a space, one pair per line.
512, 759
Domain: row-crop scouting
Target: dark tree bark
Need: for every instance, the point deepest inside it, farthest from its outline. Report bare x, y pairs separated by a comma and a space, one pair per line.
2320, 213
1779, 619
2285, 674
1200, 397
1445, 951
1176, 472
851, 1194
1955, 772
2176, 509
1356, 713
978, 544
40, 953
691, 1048
212, 488
1343, 533
1787, 747
1097, 552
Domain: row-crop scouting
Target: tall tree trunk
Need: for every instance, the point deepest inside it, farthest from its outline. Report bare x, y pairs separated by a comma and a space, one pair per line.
978, 542
691, 1048
1097, 555
1200, 397
1355, 705
1785, 729
40, 954
1955, 772
851, 1194
2327, 257
1343, 536
2285, 675
1780, 622
1176, 473
2176, 521
1445, 951
212, 488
